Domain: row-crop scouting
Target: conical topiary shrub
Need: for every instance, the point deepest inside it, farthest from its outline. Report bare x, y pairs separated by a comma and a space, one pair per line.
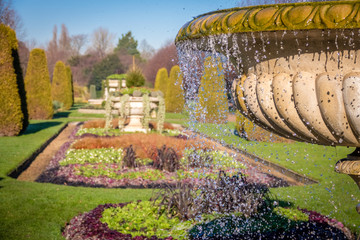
70, 97
174, 101
161, 80
13, 109
38, 87
213, 105
60, 89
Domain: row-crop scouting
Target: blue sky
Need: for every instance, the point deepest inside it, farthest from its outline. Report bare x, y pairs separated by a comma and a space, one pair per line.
157, 21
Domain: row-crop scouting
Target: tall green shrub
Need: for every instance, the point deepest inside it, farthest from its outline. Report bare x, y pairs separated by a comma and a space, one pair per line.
60, 90
161, 80
70, 98
13, 109
174, 101
38, 87
213, 105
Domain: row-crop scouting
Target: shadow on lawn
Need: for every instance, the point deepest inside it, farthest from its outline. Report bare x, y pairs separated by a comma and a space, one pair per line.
36, 127
61, 114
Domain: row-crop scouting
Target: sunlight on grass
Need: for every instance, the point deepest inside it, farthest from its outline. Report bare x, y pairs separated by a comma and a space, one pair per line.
336, 194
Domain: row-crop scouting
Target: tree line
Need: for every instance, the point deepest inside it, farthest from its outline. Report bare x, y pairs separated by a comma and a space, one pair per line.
93, 57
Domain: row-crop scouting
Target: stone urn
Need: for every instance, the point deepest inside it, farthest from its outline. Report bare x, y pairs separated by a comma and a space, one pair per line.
299, 68
134, 111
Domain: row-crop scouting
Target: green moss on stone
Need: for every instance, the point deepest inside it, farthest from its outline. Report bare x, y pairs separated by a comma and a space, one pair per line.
290, 16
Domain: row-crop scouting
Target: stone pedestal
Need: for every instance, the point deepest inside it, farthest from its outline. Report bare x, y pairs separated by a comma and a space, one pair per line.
351, 167
134, 111
136, 115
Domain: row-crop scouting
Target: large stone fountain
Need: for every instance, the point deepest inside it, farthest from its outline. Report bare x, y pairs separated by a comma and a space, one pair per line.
299, 66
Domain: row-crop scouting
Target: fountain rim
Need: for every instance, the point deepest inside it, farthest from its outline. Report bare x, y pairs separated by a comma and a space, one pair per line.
274, 17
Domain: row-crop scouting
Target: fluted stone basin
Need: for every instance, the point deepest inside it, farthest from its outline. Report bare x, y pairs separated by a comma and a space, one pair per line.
299, 67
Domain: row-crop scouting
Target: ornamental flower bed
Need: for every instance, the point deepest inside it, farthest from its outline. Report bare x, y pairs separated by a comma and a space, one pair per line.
185, 212
209, 195
98, 161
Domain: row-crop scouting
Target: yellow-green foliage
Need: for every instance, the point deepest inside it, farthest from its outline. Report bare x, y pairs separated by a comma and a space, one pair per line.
38, 87
252, 132
81, 94
161, 80
213, 105
60, 87
70, 99
13, 113
174, 101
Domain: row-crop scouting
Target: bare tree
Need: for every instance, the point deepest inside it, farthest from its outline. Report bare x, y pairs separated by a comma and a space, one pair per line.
9, 17
102, 41
23, 55
146, 50
165, 57
64, 41
31, 44
78, 41
52, 51
59, 48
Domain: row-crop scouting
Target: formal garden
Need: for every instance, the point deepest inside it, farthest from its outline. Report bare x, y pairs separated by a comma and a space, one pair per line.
84, 183
135, 162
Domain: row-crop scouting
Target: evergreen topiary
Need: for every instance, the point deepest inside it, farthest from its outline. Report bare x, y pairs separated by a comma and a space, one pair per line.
60, 87
161, 80
174, 101
70, 99
38, 87
213, 105
135, 78
92, 91
13, 109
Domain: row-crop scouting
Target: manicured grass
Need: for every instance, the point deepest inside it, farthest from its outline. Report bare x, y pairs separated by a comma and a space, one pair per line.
15, 150
76, 114
40, 211
178, 118
169, 115
336, 195
31, 210
73, 113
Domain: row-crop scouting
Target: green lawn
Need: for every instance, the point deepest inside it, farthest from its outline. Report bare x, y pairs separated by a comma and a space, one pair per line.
73, 113
39, 211
336, 195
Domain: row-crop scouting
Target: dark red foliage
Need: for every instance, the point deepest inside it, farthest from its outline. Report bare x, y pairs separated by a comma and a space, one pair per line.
88, 226
321, 219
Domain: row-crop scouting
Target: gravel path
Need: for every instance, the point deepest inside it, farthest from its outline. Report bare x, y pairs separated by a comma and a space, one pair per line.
43, 159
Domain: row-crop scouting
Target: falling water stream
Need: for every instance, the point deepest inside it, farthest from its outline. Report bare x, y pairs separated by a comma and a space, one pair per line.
332, 53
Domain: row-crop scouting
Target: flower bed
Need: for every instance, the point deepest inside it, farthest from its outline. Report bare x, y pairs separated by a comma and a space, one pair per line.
88, 226
196, 201
141, 220
96, 158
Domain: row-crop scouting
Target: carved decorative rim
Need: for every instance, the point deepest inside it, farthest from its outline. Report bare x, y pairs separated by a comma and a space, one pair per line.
291, 16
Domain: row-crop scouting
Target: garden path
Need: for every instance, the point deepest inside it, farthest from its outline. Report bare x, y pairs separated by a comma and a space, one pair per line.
43, 159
